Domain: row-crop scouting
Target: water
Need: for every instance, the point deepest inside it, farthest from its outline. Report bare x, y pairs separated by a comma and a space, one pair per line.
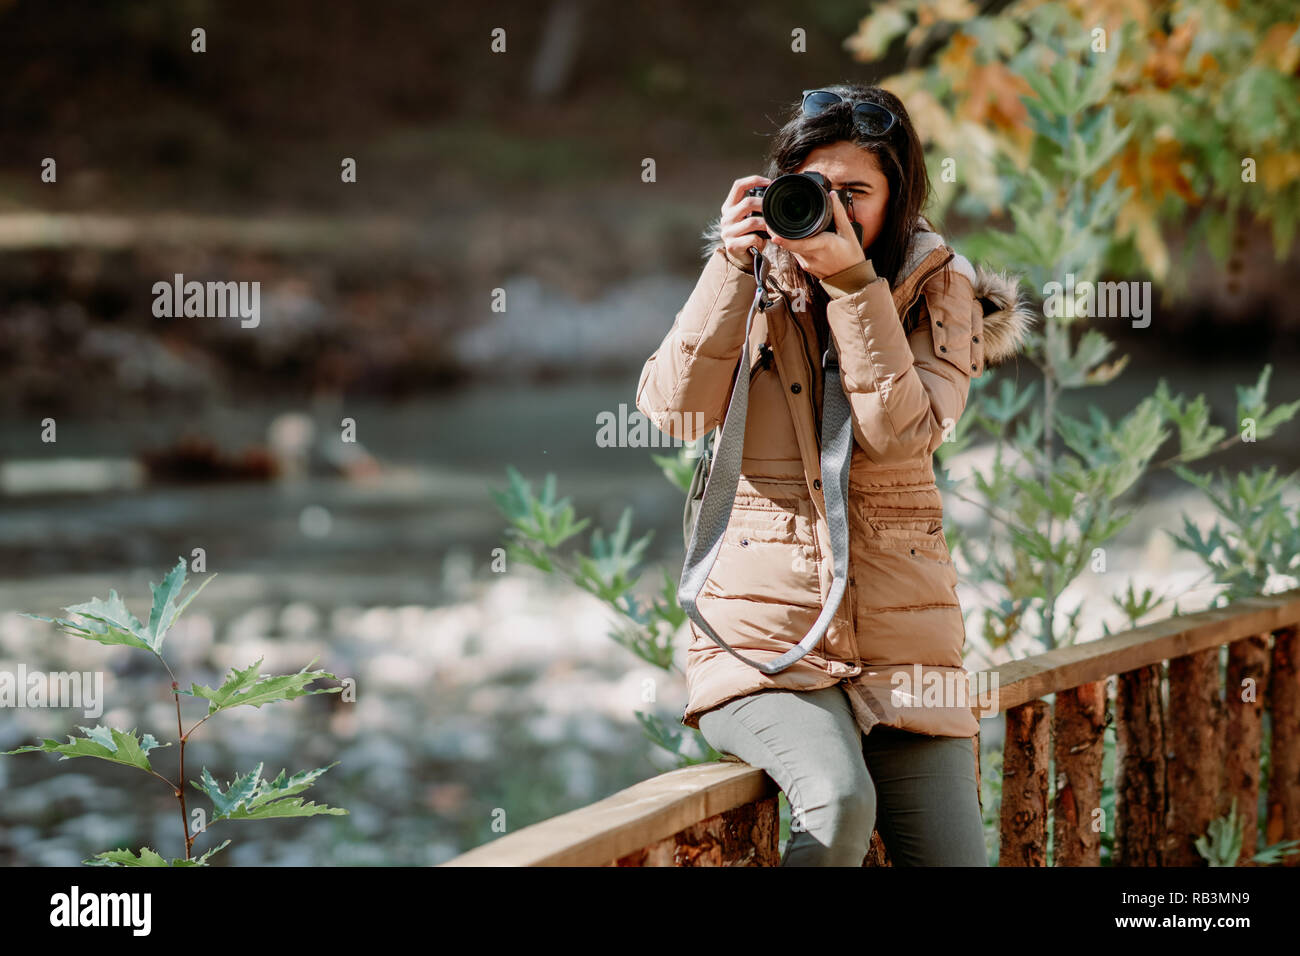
480, 694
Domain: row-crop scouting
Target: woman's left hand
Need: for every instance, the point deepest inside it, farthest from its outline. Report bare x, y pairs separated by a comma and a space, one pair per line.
827, 252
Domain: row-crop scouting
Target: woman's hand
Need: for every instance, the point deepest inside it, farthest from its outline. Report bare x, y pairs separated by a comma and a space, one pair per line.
736, 224
827, 252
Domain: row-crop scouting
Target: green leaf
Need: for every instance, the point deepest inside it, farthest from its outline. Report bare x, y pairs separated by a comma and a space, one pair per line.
545, 520
1097, 79
202, 860
122, 857
671, 737
164, 599
109, 622
680, 468
1222, 841
115, 746
281, 787
1197, 437
251, 798
608, 572
1275, 853
282, 809
1041, 83
1251, 403
148, 857
248, 687
226, 802
1065, 75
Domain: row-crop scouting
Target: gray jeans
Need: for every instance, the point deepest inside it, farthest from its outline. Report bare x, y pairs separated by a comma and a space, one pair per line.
917, 789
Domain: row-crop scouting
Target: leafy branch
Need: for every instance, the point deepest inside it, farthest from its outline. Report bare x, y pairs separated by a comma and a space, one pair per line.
249, 797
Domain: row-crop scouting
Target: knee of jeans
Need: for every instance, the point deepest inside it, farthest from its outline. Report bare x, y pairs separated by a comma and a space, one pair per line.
857, 805
850, 800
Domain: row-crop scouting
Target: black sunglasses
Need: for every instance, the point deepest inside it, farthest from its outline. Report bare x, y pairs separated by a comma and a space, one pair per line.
871, 118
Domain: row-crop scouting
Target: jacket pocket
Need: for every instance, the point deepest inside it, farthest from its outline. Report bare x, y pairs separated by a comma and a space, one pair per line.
915, 541
754, 519
905, 532
762, 559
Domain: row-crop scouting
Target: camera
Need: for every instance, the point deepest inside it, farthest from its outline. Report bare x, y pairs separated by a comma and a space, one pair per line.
798, 205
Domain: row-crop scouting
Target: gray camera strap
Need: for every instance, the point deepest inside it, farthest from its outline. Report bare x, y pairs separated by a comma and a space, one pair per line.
724, 477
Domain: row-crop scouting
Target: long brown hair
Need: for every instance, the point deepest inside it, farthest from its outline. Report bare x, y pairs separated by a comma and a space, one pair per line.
900, 158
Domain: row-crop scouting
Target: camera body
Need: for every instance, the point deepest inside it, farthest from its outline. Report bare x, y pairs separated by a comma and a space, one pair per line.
798, 205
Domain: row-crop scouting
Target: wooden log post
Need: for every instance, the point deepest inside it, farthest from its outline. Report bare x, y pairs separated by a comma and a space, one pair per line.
1244, 695
746, 835
878, 855
1194, 755
1078, 726
1023, 830
1283, 821
1140, 797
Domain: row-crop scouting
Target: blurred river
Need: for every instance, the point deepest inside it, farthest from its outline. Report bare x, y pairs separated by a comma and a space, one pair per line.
479, 693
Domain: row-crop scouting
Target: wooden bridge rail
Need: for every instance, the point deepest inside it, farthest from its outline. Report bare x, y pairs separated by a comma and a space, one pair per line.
1183, 755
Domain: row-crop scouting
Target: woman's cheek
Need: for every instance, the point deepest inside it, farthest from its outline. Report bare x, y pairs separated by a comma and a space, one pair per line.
871, 223
870, 231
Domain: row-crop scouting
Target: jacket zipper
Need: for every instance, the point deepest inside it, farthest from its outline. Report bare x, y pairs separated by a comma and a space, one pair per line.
764, 360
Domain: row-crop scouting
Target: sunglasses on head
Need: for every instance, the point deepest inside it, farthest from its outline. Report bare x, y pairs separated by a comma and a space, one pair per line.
871, 118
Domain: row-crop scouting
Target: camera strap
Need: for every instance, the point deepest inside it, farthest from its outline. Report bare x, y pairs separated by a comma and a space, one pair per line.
724, 477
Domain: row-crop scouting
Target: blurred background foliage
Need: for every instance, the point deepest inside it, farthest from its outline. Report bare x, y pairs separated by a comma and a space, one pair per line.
1203, 85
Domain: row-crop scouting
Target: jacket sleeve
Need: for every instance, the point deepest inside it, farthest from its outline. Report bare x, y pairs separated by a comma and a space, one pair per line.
686, 384
904, 391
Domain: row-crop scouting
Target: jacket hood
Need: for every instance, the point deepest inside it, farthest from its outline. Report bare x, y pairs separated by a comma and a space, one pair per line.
1008, 316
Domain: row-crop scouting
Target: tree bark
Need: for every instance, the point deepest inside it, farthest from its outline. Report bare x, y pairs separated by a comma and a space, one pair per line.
1078, 728
1023, 831
1245, 694
1284, 754
1140, 795
1195, 753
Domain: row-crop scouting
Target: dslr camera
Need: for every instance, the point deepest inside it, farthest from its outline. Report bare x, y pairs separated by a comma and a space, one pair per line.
798, 205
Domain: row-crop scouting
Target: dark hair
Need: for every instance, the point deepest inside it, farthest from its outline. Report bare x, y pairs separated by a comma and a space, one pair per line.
899, 156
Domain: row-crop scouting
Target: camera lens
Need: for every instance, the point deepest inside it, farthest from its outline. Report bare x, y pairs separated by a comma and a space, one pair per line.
792, 207
796, 206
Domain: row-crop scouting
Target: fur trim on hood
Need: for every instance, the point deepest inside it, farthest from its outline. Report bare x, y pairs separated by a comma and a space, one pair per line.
1007, 314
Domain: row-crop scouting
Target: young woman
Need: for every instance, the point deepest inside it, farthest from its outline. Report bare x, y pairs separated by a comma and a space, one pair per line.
873, 728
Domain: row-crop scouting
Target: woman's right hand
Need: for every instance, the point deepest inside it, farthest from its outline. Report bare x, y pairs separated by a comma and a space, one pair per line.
737, 225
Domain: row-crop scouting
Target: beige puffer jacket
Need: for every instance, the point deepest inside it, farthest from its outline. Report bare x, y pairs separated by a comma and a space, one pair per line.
897, 641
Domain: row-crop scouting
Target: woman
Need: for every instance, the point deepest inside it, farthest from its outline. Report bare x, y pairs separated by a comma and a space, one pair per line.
873, 728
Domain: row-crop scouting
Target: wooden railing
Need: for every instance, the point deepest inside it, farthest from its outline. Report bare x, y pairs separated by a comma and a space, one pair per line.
1181, 760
